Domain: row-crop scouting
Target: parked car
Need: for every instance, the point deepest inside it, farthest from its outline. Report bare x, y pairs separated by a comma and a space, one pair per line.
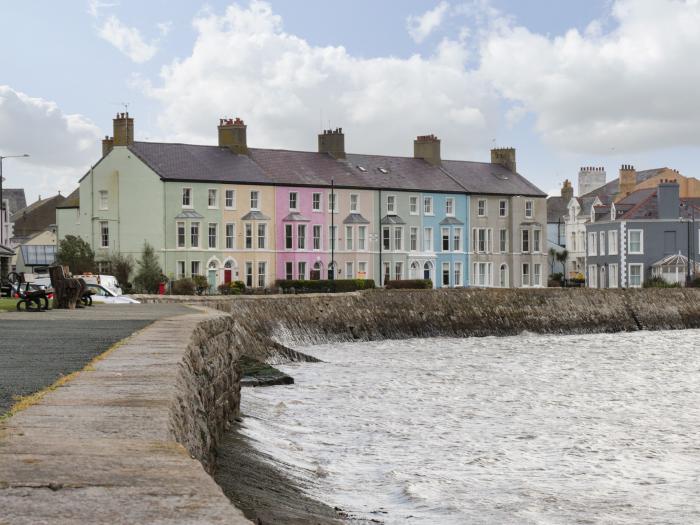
31, 287
108, 281
102, 294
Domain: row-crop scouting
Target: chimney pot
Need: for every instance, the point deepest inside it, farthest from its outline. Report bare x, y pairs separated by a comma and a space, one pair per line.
332, 143
123, 130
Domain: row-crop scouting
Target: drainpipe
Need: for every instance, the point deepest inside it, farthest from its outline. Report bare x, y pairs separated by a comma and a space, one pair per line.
333, 235
381, 239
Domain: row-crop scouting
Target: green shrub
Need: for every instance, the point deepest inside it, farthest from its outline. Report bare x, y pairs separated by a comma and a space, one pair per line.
149, 274
183, 287
415, 284
658, 282
695, 283
200, 283
324, 286
232, 288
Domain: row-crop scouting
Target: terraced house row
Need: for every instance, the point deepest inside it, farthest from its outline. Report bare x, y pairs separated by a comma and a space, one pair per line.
232, 212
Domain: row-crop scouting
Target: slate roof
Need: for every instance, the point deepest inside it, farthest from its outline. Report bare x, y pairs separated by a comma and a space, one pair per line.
15, 198
198, 163
556, 209
295, 217
355, 218
72, 201
487, 178
642, 204
255, 216
393, 219
189, 214
6, 251
611, 188
188, 162
451, 221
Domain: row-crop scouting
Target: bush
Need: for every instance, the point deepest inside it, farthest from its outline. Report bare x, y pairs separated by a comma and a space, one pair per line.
200, 283
75, 253
324, 286
414, 284
695, 283
232, 288
149, 275
183, 287
121, 267
658, 282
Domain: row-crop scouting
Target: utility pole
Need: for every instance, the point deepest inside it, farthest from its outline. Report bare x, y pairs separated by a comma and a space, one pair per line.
331, 267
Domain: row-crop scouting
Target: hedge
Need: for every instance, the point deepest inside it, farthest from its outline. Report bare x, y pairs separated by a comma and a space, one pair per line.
183, 287
232, 288
324, 286
415, 284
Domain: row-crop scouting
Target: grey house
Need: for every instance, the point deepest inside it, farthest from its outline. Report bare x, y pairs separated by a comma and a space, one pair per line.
634, 239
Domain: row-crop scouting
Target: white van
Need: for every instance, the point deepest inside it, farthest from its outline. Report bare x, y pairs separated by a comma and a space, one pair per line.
108, 281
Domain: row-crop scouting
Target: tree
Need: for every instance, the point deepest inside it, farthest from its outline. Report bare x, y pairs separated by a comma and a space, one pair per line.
553, 257
149, 274
562, 257
121, 267
75, 253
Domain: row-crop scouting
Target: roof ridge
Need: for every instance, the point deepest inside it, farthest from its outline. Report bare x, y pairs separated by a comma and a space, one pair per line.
639, 204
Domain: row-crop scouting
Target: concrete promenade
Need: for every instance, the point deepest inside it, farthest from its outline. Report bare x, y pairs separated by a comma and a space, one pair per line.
37, 348
100, 449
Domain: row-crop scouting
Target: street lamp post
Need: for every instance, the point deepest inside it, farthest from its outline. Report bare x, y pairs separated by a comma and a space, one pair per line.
2, 205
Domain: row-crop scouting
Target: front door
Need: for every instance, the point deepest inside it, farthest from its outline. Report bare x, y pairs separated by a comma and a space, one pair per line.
227, 276
212, 279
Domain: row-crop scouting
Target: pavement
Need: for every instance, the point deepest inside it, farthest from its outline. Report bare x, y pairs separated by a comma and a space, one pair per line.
37, 348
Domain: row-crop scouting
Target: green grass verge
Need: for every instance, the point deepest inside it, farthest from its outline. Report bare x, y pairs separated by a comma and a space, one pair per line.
8, 305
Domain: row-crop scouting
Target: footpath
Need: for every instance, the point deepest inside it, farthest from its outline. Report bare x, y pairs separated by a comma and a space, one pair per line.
100, 448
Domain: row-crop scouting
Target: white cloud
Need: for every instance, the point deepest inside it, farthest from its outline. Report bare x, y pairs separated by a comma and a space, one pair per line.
128, 40
164, 27
95, 6
244, 64
633, 87
420, 27
61, 146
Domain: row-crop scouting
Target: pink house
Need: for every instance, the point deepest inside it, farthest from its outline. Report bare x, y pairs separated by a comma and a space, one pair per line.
302, 232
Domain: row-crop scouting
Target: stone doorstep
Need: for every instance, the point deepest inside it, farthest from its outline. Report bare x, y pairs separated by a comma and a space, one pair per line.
98, 449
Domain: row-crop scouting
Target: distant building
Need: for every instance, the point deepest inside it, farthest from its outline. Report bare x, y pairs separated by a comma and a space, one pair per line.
590, 178
37, 252
13, 200
35, 218
650, 232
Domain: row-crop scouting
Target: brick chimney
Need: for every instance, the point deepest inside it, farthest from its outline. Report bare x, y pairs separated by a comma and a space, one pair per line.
627, 181
567, 191
505, 157
123, 130
232, 135
332, 141
668, 200
107, 144
427, 147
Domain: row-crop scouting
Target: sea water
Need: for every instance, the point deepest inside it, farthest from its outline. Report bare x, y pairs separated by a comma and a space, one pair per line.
600, 428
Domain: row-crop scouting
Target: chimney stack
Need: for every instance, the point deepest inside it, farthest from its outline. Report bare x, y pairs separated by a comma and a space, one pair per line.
123, 130
627, 181
332, 141
427, 147
668, 200
505, 157
567, 191
107, 144
232, 135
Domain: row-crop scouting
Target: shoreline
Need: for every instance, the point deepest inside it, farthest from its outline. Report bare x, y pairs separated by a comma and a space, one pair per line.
263, 492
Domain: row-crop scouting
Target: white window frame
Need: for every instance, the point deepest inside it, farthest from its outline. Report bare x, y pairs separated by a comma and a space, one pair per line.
349, 238
398, 238
445, 271
445, 234
288, 236
641, 242
413, 239
187, 191
641, 275
177, 234
525, 239
523, 274
503, 240
301, 236
232, 194
248, 236
536, 241
289, 270
262, 236
349, 270
592, 243
482, 211
428, 240
262, 274
198, 264
104, 200
354, 202
536, 274
301, 270
254, 200
413, 205
449, 206
216, 236
232, 237
613, 275
612, 242
198, 234
601, 243
503, 208
293, 196
314, 229
529, 209
391, 204
457, 239
104, 234
333, 202
362, 238
215, 193
317, 198
457, 275
428, 206
180, 269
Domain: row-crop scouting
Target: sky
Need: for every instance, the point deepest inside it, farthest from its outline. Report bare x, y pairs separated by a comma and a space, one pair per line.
567, 83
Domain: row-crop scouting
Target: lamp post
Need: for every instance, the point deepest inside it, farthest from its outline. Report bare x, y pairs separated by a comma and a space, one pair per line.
2, 205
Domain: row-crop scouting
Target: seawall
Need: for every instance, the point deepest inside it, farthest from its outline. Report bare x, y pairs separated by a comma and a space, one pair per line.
132, 439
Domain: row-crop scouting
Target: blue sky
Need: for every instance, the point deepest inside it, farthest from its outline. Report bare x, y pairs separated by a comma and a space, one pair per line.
596, 82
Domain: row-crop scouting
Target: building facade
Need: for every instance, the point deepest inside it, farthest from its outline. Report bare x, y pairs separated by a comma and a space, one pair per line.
231, 212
